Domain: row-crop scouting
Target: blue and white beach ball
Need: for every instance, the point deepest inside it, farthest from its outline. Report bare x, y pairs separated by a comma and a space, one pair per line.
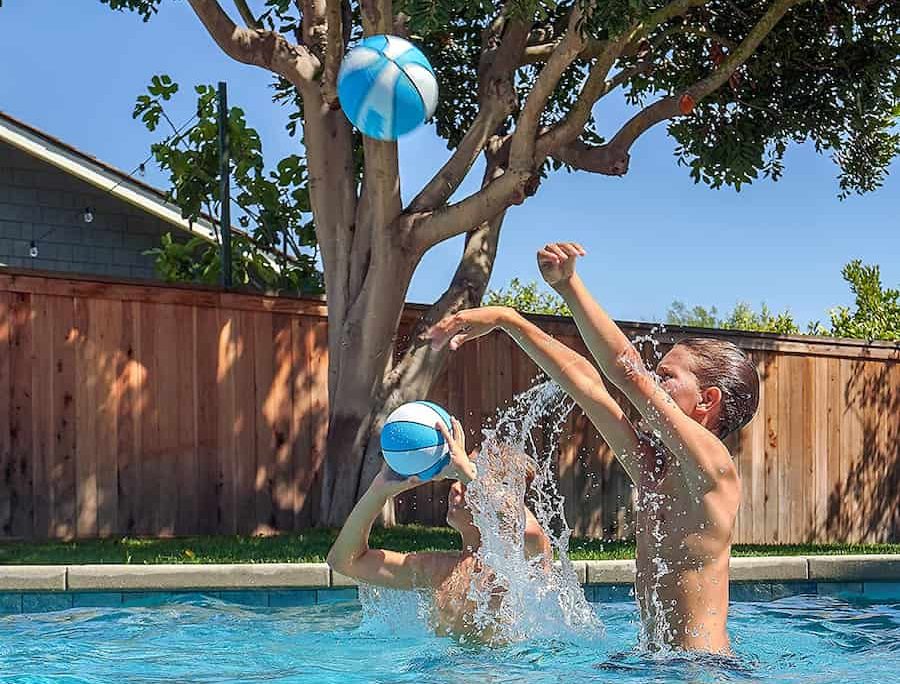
386, 87
410, 442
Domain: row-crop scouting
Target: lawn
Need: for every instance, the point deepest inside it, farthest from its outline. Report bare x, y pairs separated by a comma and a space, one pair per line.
312, 546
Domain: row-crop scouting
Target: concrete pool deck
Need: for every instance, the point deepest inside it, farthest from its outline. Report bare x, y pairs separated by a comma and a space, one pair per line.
180, 577
32, 589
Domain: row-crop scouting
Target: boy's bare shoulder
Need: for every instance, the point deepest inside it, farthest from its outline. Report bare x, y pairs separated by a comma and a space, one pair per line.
438, 564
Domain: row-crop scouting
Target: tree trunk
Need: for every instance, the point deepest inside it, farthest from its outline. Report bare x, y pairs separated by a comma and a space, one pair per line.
362, 403
362, 352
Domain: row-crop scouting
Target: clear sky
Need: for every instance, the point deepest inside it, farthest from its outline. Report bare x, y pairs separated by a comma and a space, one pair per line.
73, 69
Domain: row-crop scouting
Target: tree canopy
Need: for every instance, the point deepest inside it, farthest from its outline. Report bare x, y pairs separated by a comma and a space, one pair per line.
827, 72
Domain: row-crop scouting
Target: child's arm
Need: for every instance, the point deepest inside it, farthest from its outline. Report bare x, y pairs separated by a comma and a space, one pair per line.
350, 555
705, 458
536, 541
574, 373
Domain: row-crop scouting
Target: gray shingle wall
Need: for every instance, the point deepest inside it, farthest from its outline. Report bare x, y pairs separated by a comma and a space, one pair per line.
41, 203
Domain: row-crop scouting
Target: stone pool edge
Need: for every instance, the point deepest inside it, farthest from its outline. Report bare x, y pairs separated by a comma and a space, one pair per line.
242, 576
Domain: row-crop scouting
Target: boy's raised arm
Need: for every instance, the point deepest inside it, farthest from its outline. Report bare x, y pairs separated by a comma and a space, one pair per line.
350, 554
575, 374
703, 455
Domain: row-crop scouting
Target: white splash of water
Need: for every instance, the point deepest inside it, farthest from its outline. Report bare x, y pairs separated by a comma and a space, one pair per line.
516, 597
393, 611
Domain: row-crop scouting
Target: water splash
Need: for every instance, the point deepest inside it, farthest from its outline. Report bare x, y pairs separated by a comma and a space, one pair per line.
514, 597
393, 611
517, 597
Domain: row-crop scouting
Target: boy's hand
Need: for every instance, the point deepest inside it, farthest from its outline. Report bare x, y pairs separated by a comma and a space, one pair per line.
393, 482
556, 261
460, 467
464, 326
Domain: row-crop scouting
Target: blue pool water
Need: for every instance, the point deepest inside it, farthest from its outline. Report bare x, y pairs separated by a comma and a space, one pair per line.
798, 639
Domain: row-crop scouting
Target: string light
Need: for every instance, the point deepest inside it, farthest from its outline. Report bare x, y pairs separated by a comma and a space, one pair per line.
88, 214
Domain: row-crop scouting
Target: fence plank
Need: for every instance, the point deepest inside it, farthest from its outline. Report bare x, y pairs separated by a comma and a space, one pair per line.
207, 397
42, 420
166, 390
148, 354
268, 403
6, 335
246, 401
86, 369
774, 490
107, 338
227, 360
63, 487
186, 457
129, 410
833, 420
819, 463
279, 410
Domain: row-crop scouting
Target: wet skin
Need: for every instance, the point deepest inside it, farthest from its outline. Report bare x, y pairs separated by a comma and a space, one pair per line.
683, 547
683, 535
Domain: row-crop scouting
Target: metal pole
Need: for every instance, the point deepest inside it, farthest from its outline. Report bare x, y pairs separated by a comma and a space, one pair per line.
224, 185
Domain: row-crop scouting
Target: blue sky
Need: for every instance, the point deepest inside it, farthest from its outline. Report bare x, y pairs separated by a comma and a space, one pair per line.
74, 69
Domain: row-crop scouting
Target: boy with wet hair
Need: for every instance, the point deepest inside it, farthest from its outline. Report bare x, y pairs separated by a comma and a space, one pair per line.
446, 576
688, 490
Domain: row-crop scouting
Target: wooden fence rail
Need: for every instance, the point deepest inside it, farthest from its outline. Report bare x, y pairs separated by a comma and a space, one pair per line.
137, 409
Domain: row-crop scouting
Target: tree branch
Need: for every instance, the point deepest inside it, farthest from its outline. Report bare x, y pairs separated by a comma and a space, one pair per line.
596, 86
521, 156
496, 101
419, 365
377, 16
265, 49
671, 105
430, 228
535, 54
247, 15
593, 158
334, 52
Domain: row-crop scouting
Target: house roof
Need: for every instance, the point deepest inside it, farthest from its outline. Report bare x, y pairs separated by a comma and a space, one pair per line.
101, 175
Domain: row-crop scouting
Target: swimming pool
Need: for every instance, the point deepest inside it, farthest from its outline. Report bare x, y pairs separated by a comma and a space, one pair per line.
803, 638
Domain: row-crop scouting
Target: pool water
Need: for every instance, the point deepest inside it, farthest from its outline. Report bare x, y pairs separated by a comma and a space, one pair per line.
797, 639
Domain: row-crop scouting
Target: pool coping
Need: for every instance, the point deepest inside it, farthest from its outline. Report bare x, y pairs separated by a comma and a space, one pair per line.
162, 577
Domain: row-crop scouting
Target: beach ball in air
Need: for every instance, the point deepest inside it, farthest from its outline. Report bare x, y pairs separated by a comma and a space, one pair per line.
386, 87
410, 442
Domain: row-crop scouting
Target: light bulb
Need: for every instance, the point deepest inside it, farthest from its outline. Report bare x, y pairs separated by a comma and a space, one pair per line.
33, 251
88, 215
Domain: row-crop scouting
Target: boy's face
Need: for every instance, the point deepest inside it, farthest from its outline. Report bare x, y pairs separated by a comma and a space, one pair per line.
678, 380
459, 517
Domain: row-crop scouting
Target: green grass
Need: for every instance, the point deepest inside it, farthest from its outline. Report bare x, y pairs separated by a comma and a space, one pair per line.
312, 546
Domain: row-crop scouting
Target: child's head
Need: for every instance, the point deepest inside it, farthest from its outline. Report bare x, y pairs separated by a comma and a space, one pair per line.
459, 515
712, 381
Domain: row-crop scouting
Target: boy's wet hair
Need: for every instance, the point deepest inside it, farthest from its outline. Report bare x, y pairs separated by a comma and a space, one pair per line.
718, 363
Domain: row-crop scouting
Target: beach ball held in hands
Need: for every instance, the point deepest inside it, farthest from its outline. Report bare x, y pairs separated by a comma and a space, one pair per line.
410, 442
386, 87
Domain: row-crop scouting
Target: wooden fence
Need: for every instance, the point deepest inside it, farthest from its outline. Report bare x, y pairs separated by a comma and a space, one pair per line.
138, 409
